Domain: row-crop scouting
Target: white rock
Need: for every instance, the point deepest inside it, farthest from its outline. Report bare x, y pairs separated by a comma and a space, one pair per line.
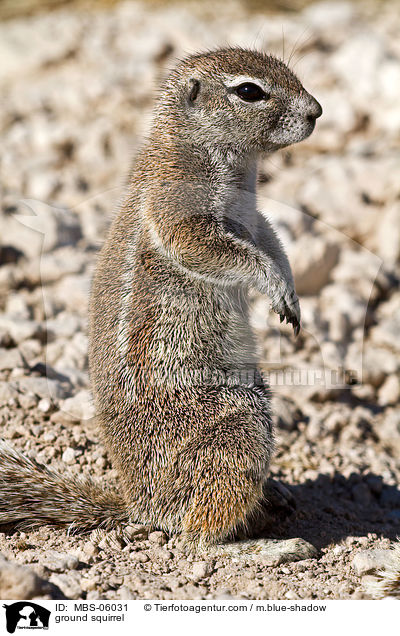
202, 569
339, 299
16, 306
69, 583
18, 581
69, 456
386, 333
19, 328
40, 226
10, 359
42, 387
44, 405
78, 408
59, 561
28, 400
389, 393
158, 537
378, 363
312, 259
8, 392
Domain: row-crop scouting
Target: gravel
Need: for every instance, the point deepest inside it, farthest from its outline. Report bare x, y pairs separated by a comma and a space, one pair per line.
76, 90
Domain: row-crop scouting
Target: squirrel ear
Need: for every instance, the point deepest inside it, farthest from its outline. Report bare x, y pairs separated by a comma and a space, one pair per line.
194, 87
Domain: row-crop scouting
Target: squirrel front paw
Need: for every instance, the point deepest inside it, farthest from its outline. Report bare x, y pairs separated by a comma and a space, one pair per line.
287, 306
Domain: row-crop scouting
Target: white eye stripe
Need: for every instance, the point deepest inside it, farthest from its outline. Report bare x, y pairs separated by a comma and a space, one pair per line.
235, 80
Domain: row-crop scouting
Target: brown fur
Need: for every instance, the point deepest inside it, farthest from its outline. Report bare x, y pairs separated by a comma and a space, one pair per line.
183, 409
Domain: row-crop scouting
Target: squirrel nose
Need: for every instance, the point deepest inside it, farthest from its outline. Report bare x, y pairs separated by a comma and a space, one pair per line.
314, 110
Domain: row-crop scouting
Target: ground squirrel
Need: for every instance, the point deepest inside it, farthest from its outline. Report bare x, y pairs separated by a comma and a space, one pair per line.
179, 398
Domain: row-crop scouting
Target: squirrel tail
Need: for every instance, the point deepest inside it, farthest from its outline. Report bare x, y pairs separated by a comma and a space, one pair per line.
31, 496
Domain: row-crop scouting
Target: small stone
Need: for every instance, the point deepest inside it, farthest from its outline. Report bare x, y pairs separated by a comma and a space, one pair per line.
88, 584
49, 436
158, 537
389, 393
291, 595
28, 400
140, 557
313, 260
163, 555
101, 462
8, 392
44, 405
202, 569
69, 584
10, 359
19, 329
19, 582
338, 549
90, 550
78, 408
69, 456
59, 562
136, 532
125, 594
42, 387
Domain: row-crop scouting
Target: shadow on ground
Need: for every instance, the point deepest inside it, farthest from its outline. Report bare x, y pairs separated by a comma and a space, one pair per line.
330, 509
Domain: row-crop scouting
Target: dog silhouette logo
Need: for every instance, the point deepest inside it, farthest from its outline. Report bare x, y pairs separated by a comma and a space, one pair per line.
26, 615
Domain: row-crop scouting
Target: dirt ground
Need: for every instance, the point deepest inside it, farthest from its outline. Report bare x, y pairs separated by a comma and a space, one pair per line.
76, 89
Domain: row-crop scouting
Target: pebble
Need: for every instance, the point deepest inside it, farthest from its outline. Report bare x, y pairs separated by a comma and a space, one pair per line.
88, 584
202, 569
58, 562
19, 581
136, 532
78, 408
158, 537
69, 584
140, 557
389, 393
69, 456
42, 387
45, 405
90, 550
10, 359
8, 392
28, 400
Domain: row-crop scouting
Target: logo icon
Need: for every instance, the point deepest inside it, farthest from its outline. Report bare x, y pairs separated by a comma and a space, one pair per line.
26, 615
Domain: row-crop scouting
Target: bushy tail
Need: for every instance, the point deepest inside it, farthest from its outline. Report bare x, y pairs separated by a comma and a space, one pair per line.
31, 495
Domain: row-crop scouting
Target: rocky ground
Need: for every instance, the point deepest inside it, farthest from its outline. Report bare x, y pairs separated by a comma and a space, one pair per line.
76, 92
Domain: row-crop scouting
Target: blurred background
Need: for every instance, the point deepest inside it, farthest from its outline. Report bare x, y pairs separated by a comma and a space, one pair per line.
77, 82
13, 8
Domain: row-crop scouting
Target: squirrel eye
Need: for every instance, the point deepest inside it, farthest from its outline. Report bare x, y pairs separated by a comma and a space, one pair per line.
250, 92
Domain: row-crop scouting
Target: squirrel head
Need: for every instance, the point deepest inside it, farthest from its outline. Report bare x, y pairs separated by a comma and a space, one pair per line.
238, 100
